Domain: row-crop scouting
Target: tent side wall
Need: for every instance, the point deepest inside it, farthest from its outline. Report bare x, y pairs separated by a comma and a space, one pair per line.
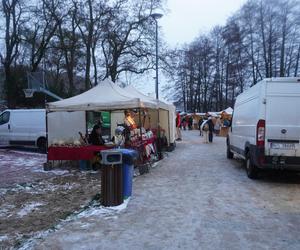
164, 117
65, 125
172, 118
164, 123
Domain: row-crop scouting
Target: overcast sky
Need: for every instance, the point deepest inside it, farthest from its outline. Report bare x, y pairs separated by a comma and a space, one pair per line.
187, 18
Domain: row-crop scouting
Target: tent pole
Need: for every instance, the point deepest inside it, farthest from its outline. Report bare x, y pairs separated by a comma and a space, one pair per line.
169, 128
47, 134
159, 151
140, 122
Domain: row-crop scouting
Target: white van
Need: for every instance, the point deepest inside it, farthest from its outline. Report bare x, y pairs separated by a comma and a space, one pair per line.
23, 127
265, 127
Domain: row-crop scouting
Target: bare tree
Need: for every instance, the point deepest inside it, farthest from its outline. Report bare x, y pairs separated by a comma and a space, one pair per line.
12, 11
40, 29
129, 38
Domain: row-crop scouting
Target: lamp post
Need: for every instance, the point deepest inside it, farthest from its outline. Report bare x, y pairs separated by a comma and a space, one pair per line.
157, 16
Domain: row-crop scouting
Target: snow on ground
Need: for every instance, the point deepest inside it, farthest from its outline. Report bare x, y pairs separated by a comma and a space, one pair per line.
28, 208
196, 199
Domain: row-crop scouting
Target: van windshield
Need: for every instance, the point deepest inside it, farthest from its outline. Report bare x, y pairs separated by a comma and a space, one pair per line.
4, 118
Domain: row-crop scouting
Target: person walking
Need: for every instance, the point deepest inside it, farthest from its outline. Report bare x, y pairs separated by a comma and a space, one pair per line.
210, 129
178, 126
205, 130
190, 122
199, 125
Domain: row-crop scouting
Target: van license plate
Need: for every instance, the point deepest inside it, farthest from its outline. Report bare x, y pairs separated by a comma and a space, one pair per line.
284, 146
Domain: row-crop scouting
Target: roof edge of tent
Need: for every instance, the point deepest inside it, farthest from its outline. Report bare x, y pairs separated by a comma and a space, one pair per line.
136, 102
133, 102
160, 104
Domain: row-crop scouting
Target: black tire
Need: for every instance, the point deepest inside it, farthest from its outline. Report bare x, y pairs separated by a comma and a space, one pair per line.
42, 145
251, 169
229, 153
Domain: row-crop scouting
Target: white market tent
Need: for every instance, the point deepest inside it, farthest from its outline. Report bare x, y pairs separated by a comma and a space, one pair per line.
105, 96
67, 117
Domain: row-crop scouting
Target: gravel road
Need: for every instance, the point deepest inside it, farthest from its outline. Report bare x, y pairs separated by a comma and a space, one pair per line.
194, 199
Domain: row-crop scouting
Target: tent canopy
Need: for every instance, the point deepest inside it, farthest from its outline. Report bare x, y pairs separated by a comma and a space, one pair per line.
105, 96
145, 98
228, 111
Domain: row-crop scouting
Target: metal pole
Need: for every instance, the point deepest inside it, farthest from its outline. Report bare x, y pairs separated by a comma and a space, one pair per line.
156, 16
156, 83
157, 97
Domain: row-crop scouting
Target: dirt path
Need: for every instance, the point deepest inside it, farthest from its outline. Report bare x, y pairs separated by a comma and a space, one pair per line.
196, 199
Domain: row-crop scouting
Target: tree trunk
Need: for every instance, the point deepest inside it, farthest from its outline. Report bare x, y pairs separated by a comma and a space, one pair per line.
95, 65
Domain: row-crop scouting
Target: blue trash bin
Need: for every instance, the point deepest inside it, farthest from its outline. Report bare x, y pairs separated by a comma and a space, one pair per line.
128, 156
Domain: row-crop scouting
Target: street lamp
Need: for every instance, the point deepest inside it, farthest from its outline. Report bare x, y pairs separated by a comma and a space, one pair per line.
156, 16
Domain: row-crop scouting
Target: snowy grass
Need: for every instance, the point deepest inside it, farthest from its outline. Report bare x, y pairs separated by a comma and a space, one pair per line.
105, 212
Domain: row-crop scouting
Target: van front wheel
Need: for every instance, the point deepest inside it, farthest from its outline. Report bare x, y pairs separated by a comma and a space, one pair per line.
41, 143
229, 153
251, 169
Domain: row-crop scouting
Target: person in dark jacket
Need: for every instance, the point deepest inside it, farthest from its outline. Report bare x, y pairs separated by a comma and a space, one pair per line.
190, 122
95, 137
210, 129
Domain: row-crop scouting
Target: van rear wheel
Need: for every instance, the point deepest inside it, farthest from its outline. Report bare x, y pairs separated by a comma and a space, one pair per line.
41, 143
251, 169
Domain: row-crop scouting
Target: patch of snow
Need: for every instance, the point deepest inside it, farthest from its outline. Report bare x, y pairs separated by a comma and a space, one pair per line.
3, 237
27, 153
3, 191
28, 208
5, 210
17, 188
29, 244
98, 211
55, 172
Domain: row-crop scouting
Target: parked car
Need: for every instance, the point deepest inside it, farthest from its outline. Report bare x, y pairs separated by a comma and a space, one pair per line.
23, 127
265, 127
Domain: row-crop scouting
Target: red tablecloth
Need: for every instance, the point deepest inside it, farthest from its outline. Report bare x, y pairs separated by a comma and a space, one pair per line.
73, 153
